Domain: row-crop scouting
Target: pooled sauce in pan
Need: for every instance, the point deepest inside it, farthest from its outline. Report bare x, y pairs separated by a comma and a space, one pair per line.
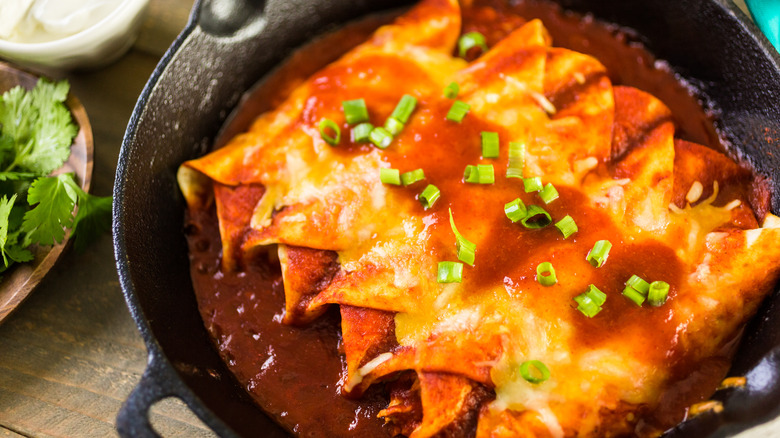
294, 372
291, 372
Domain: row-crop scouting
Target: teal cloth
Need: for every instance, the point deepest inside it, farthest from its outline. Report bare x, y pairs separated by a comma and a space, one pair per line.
766, 14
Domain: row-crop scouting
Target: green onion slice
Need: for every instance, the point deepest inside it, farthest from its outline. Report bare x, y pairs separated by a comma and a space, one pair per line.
380, 137
411, 177
515, 210
429, 196
471, 174
404, 109
659, 292
393, 126
638, 284
548, 193
541, 370
390, 176
566, 226
469, 40
355, 111
516, 160
490, 144
466, 249
361, 133
485, 174
452, 90
326, 124
598, 255
545, 274
450, 272
532, 184
479, 174
596, 295
634, 295
458, 111
587, 306
536, 217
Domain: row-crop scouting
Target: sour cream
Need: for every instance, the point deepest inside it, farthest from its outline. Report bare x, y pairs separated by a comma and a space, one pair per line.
38, 21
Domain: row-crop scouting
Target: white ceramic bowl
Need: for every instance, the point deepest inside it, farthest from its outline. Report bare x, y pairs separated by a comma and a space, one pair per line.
93, 47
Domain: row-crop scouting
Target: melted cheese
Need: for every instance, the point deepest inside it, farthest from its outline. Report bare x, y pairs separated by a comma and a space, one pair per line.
615, 179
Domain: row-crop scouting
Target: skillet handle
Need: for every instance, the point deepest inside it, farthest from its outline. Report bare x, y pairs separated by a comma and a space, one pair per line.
225, 18
766, 13
133, 418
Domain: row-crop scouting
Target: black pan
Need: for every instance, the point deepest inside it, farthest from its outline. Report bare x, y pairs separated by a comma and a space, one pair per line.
230, 44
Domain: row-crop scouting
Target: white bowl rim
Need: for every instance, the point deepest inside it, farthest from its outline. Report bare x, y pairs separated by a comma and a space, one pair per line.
17, 47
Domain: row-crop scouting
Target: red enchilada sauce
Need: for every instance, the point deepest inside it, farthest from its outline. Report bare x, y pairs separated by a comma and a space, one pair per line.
294, 373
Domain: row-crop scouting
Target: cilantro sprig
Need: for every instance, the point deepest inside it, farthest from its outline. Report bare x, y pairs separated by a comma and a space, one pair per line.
36, 132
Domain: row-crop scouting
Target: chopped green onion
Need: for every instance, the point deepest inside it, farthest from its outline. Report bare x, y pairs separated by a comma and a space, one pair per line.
638, 284
596, 295
634, 295
393, 126
590, 302
545, 274
355, 111
404, 109
429, 196
598, 255
516, 160
466, 254
390, 176
469, 40
485, 174
659, 291
515, 210
532, 184
380, 137
466, 249
411, 177
479, 174
361, 132
452, 90
566, 226
458, 111
587, 306
536, 217
548, 193
490, 144
471, 174
326, 124
525, 371
450, 272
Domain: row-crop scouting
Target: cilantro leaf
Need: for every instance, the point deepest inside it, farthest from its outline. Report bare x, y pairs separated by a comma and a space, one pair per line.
15, 109
55, 198
52, 138
16, 250
9, 245
15, 176
52, 131
39, 125
46, 92
6, 147
5, 211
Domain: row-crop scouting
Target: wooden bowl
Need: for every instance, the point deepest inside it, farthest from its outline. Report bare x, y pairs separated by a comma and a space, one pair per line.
21, 279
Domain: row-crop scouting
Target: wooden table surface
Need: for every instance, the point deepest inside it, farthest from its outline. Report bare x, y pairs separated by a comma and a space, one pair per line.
71, 354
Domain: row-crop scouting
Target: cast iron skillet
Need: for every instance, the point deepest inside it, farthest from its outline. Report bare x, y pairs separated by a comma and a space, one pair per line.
230, 44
